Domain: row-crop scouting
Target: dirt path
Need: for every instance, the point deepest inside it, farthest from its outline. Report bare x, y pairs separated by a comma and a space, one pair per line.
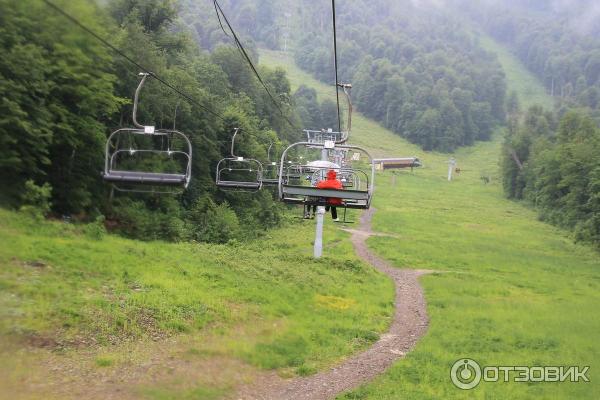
409, 325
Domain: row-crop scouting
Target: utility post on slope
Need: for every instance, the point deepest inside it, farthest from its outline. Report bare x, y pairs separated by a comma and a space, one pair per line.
286, 31
318, 247
451, 166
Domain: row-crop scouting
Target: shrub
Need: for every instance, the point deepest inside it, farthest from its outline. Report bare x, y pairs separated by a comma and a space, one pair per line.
36, 199
213, 223
96, 229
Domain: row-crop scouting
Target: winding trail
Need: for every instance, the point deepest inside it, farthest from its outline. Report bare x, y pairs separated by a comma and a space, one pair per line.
409, 325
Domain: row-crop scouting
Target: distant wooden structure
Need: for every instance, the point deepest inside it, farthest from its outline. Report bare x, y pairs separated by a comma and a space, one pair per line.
396, 163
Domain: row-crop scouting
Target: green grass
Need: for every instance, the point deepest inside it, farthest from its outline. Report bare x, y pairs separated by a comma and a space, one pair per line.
200, 393
514, 291
267, 302
105, 360
528, 87
511, 290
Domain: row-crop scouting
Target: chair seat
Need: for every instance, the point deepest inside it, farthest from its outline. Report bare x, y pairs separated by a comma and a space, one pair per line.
293, 190
315, 201
239, 185
155, 178
270, 181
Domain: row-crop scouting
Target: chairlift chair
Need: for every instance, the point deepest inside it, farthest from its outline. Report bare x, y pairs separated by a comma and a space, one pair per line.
239, 173
146, 159
358, 186
270, 173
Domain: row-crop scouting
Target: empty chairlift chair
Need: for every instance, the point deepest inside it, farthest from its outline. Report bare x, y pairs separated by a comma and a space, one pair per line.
146, 159
270, 170
239, 173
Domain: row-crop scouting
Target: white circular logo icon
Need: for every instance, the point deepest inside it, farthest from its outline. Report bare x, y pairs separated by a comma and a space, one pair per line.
465, 374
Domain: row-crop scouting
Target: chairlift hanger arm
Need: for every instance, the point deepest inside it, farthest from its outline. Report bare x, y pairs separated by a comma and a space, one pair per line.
233, 142
136, 98
269, 152
347, 87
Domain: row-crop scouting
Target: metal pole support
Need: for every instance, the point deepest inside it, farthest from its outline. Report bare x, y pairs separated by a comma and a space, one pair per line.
318, 250
451, 165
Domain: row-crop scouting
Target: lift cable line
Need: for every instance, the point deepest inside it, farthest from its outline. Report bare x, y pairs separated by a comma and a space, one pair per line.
242, 50
220, 22
335, 61
129, 59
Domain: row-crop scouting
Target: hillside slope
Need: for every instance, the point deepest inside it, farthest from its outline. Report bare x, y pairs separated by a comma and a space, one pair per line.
516, 292
86, 315
367, 133
512, 290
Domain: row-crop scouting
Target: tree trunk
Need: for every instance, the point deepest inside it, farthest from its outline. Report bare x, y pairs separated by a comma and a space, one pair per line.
515, 157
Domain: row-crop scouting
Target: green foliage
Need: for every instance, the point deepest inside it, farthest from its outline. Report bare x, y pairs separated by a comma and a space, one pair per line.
406, 64
55, 87
62, 93
412, 71
36, 199
213, 223
559, 173
153, 15
96, 229
157, 218
314, 114
256, 301
548, 40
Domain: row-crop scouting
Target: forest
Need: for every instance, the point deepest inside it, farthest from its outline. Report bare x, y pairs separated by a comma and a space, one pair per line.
419, 70
422, 73
63, 92
417, 73
550, 157
560, 48
553, 164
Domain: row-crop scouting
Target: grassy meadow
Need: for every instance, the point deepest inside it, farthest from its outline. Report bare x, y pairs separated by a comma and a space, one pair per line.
520, 80
266, 303
509, 291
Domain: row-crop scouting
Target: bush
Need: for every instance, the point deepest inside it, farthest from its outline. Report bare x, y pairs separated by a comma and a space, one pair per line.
213, 223
96, 229
36, 199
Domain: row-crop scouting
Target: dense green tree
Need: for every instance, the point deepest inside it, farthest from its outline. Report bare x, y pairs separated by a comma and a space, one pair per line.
404, 63
56, 90
556, 168
62, 92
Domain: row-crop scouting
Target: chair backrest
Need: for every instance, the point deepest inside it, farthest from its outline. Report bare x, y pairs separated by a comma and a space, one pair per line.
239, 173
